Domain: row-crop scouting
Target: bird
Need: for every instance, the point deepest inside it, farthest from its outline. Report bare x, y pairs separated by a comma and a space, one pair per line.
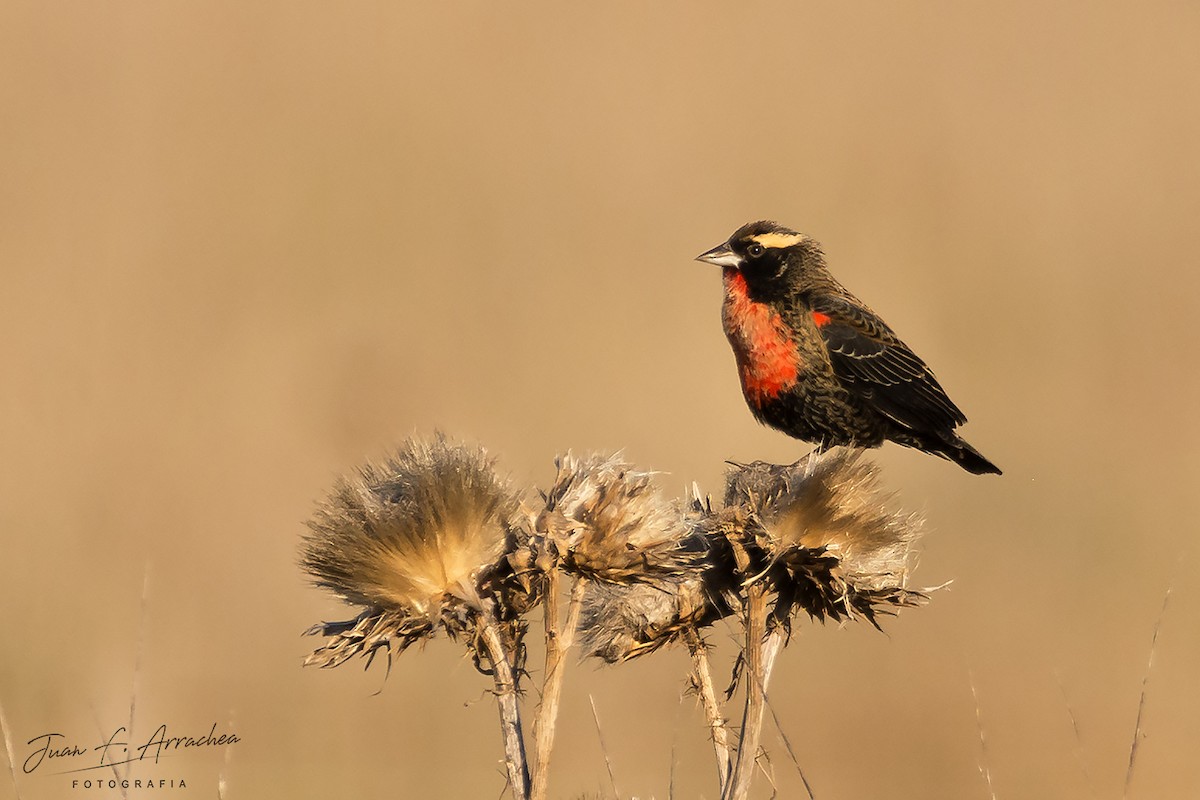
817, 363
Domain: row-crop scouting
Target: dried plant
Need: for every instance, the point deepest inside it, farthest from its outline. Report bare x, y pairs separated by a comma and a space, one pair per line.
816, 535
421, 541
624, 621
818, 530
609, 522
431, 540
605, 523
827, 535
413, 533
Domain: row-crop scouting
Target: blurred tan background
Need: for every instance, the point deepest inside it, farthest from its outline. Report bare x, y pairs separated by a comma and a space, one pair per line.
246, 246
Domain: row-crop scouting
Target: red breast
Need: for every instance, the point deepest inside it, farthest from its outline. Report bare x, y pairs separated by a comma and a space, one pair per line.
767, 357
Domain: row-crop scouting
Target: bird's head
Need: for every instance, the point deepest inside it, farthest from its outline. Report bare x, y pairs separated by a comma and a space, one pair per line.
766, 254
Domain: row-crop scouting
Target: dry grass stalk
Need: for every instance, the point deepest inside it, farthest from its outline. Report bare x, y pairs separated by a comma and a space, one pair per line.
612, 774
1077, 734
8, 749
1137, 725
226, 761
791, 751
985, 770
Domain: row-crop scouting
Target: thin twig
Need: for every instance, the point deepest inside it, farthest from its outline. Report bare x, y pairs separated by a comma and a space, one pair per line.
671, 774
787, 743
612, 776
702, 677
557, 643
674, 745
506, 701
135, 689
984, 770
12, 759
770, 651
1080, 755
124, 792
223, 775
767, 767
1137, 726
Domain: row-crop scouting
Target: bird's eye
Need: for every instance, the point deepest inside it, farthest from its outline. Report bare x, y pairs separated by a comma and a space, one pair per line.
754, 250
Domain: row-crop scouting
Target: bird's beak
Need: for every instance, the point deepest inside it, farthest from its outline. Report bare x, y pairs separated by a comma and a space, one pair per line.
722, 256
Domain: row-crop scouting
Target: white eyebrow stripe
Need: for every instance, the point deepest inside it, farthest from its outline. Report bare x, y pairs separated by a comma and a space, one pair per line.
778, 240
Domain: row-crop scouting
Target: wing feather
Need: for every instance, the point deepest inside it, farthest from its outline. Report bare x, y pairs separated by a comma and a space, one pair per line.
870, 358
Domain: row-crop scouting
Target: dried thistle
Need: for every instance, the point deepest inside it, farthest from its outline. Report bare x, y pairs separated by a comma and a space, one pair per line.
609, 522
429, 540
624, 621
826, 535
818, 531
432, 540
593, 515
421, 541
608, 525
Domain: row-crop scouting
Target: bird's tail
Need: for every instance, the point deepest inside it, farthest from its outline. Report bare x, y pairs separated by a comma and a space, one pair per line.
954, 448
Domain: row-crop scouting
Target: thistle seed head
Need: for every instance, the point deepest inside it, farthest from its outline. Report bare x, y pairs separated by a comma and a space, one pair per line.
418, 539
609, 522
621, 621
827, 535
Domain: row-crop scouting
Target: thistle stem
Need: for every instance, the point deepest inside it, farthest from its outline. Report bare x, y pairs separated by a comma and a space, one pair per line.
506, 700
743, 770
558, 641
760, 652
702, 675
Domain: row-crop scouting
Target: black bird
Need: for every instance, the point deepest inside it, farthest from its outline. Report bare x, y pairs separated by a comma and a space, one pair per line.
816, 363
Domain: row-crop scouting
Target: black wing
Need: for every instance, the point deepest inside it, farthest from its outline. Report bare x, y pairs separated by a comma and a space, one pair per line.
872, 362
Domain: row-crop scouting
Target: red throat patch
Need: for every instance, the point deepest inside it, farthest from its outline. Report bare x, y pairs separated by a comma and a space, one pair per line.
767, 358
